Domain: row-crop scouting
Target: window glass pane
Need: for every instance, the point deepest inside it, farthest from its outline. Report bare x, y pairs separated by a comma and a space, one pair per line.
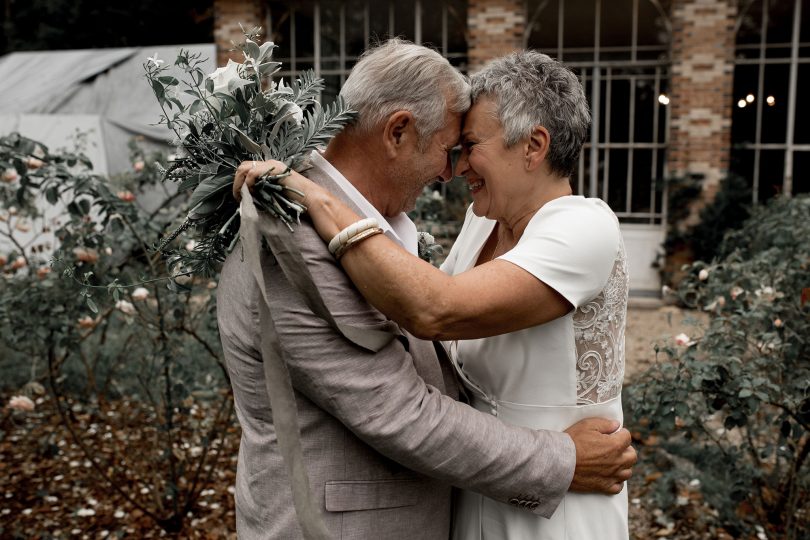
801, 127
652, 28
620, 111
542, 30
457, 32
355, 27
742, 163
771, 173
579, 20
801, 172
616, 28
432, 24
280, 29
378, 20
750, 31
617, 186
744, 120
642, 180
645, 108
780, 21
774, 117
331, 88
404, 18
304, 44
330, 33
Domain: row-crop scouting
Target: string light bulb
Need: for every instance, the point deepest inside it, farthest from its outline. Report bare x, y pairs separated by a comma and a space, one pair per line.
749, 98
742, 103
663, 99
771, 101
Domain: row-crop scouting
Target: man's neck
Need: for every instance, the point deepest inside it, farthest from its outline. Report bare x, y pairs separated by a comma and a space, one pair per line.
354, 157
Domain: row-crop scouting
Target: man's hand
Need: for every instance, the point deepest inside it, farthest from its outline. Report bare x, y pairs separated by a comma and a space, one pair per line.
604, 456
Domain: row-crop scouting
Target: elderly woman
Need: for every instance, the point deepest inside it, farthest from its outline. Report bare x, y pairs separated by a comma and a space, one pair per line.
533, 296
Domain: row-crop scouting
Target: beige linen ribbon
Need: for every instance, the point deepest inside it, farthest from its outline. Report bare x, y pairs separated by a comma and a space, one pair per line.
280, 240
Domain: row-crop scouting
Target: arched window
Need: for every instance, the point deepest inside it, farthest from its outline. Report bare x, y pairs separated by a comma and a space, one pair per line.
770, 146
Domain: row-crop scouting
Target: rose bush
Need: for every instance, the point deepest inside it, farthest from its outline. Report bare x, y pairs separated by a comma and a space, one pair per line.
98, 334
729, 407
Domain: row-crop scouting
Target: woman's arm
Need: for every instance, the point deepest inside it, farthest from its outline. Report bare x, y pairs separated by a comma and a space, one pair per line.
494, 298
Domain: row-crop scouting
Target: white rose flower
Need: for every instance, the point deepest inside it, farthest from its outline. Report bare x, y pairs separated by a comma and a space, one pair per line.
297, 113
224, 75
125, 307
682, 339
140, 294
703, 275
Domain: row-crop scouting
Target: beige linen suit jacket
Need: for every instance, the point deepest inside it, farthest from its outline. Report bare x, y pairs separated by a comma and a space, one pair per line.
383, 436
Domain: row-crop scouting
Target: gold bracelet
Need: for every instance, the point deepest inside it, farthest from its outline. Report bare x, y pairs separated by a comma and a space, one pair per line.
356, 239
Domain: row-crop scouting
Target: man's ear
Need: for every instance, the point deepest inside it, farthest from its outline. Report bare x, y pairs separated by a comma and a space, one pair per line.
537, 147
398, 129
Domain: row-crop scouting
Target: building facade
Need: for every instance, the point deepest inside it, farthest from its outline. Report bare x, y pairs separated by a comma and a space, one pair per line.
692, 89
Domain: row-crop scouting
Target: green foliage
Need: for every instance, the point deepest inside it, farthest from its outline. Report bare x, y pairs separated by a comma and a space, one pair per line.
729, 209
231, 119
734, 402
97, 333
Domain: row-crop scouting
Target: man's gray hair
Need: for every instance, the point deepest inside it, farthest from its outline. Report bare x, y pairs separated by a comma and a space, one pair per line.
532, 89
399, 75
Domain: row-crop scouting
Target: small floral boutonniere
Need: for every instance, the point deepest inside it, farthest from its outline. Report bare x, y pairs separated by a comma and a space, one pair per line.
428, 248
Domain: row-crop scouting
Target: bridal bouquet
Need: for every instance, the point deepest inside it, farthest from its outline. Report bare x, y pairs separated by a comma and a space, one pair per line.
237, 113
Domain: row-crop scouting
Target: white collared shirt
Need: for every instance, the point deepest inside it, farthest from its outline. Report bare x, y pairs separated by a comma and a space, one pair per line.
399, 229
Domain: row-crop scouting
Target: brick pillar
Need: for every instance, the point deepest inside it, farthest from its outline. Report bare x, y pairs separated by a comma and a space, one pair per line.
228, 14
496, 28
701, 89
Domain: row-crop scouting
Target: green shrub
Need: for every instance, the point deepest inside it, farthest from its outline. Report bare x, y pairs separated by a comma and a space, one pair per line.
731, 407
94, 331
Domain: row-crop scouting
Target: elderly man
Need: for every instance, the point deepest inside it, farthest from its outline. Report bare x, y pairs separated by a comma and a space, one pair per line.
383, 435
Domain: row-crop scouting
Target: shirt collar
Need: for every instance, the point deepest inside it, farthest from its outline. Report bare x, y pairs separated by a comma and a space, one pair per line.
399, 228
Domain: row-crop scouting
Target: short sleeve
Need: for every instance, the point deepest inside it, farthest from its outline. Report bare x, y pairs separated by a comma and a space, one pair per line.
449, 264
571, 245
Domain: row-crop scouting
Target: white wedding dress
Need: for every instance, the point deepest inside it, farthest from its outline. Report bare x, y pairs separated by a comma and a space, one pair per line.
553, 375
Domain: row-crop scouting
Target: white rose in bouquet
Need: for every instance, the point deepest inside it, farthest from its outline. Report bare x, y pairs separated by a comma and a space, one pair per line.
238, 113
223, 76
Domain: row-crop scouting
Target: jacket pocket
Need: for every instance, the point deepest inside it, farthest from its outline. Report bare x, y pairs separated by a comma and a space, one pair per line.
353, 495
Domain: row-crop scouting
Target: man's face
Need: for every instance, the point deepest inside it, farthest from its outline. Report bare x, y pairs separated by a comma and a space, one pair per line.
423, 166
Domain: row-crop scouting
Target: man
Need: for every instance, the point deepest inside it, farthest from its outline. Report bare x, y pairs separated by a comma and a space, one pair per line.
382, 433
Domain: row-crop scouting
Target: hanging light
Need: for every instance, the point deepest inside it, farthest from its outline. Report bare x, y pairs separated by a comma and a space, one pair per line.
749, 98
742, 103
663, 99
771, 101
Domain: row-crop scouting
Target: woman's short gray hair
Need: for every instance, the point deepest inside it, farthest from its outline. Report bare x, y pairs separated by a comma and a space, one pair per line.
532, 89
399, 75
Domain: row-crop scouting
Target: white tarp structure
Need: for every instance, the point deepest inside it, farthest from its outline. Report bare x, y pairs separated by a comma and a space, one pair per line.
49, 95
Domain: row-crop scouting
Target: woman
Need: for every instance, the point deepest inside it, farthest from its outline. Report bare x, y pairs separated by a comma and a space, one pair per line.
533, 295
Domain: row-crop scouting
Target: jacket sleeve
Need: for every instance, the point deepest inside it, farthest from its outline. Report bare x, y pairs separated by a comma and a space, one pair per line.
381, 398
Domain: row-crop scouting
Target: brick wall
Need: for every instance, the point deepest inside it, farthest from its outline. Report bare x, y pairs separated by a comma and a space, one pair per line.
228, 14
701, 92
496, 28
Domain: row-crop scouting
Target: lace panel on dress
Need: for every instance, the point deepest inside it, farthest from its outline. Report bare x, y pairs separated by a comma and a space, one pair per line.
599, 335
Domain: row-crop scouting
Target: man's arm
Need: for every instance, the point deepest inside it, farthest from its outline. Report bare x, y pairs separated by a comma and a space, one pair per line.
382, 399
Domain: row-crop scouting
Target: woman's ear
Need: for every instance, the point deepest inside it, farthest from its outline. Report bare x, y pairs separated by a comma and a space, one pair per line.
398, 129
537, 147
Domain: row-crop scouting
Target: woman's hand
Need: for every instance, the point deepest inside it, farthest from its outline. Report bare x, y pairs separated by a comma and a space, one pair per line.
249, 172
320, 204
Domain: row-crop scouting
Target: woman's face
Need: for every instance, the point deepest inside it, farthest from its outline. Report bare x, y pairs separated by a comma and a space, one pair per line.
494, 172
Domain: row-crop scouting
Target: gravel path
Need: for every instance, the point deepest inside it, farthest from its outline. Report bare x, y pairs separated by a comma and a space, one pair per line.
647, 326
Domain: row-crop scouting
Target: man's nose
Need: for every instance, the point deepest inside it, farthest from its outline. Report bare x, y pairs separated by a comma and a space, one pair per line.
447, 173
462, 165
